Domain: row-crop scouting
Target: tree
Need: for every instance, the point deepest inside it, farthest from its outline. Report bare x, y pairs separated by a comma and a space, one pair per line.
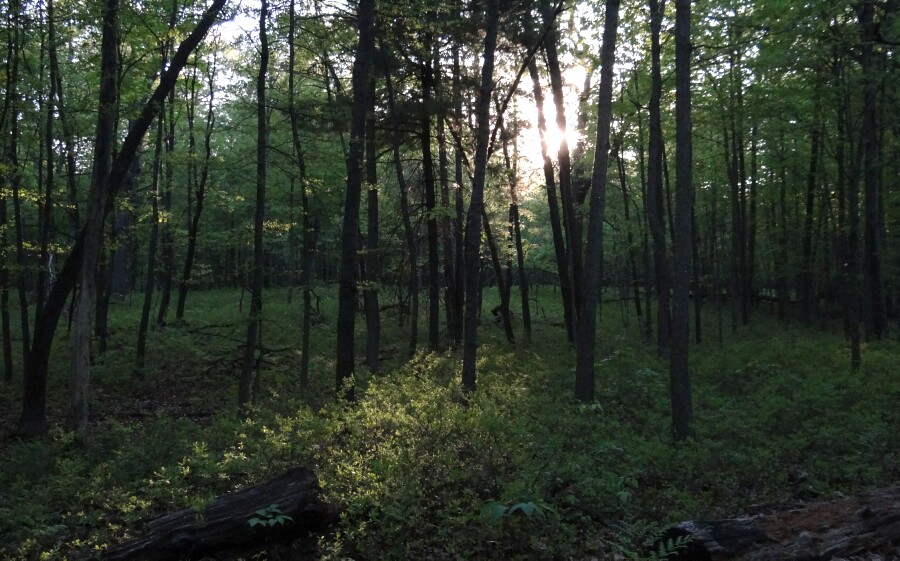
476, 202
348, 290
586, 334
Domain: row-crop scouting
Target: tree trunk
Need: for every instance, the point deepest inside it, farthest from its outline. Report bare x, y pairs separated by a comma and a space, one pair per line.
680, 384
225, 523
428, 180
103, 149
372, 261
502, 283
655, 207
409, 233
476, 203
348, 291
586, 332
199, 197
843, 528
150, 277
562, 260
254, 320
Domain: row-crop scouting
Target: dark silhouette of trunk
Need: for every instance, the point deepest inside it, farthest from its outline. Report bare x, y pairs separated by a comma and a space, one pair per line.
373, 269
649, 280
655, 207
166, 229
476, 203
586, 332
805, 280
33, 420
502, 282
85, 306
5, 324
247, 385
150, 277
782, 281
571, 223
629, 236
306, 235
680, 382
515, 236
876, 317
199, 195
408, 232
451, 290
45, 204
459, 265
348, 291
428, 180
562, 261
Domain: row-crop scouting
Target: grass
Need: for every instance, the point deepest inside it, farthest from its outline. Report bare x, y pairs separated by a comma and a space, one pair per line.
420, 472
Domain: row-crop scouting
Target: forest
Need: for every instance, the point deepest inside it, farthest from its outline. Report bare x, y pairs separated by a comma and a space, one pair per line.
483, 279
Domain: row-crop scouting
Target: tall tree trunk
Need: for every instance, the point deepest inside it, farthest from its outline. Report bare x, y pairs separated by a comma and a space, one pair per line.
408, 232
655, 207
347, 295
153, 243
569, 197
586, 332
166, 227
103, 149
459, 262
451, 289
372, 261
5, 324
680, 382
428, 180
476, 203
254, 320
806, 277
876, 317
33, 421
502, 283
559, 247
629, 236
199, 194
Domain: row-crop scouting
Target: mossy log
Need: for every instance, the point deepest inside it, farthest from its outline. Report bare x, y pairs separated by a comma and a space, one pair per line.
850, 527
225, 523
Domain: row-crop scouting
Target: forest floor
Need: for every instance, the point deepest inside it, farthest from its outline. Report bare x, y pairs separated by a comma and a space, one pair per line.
519, 470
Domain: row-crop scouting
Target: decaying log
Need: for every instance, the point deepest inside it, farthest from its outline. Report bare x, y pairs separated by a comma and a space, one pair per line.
851, 526
188, 534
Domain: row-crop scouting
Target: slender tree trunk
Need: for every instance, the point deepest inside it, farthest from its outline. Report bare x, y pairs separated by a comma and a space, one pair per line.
502, 284
5, 324
586, 332
372, 261
476, 203
655, 207
876, 317
680, 382
150, 277
166, 230
409, 233
559, 247
459, 264
103, 148
805, 280
199, 198
254, 321
629, 237
347, 295
451, 290
428, 180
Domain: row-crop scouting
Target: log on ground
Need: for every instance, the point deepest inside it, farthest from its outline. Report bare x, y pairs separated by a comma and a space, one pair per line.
225, 523
850, 527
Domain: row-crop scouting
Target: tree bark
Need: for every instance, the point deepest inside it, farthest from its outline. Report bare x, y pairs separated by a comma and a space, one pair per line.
254, 320
348, 291
586, 332
867, 522
655, 207
85, 306
680, 382
224, 524
476, 203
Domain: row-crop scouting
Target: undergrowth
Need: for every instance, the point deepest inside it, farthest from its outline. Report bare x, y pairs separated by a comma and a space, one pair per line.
517, 470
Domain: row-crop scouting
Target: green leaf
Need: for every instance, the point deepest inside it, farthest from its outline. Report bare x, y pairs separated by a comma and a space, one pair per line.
254, 521
493, 510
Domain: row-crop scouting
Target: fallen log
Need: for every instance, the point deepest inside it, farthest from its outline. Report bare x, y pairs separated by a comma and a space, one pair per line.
226, 522
850, 526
